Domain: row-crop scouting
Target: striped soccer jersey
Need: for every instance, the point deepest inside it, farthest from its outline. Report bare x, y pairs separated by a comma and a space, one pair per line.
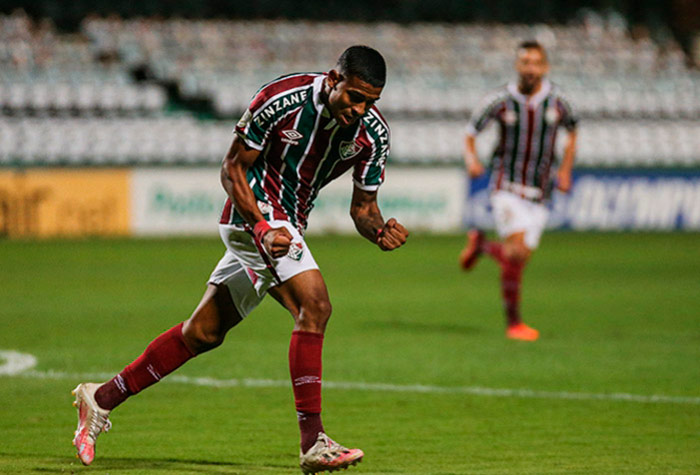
303, 149
523, 159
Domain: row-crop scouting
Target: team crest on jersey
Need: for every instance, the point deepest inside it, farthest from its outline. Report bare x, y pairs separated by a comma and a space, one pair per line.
349, 149
510, 117
551, 115
265, 208
292, 136
296, 251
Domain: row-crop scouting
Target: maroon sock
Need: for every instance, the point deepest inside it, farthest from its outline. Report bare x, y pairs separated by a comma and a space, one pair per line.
309, 425
305, 351
162, 356
511, 274
112, 393
495, 250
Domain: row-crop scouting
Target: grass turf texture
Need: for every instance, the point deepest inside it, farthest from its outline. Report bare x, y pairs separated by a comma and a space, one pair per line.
617, 314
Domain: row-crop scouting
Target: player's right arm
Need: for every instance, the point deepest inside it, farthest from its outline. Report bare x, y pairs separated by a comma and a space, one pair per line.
484, 113
471, 160
238, 159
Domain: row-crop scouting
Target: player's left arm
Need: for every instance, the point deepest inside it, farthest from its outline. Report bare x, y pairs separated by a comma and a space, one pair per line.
369, 222
570, 123
567, 164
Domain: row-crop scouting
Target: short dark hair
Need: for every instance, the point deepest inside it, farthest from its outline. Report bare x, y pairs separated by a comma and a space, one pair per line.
532, 44
364, 63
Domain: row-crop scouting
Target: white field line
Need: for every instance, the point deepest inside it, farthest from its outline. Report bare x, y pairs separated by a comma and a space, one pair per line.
15, 362
8, 369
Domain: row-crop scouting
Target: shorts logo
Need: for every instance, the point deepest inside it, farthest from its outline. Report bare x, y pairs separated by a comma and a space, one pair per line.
349, 149
292, 136
296, 251
253, 276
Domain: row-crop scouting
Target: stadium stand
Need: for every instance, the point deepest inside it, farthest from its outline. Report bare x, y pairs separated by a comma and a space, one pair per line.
114, 93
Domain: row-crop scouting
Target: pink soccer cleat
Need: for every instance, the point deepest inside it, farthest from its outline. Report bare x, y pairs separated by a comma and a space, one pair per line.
92, 421
328, 455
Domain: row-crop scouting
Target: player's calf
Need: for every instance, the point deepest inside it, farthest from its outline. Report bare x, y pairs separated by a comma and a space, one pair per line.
472, 250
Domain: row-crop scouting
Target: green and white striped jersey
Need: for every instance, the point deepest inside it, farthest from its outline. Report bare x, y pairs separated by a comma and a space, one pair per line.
302, 149
524, 157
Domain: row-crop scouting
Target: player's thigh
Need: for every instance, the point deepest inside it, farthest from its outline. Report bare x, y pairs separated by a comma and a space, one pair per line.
215, 315
509, 213
516, 246
519, 222
539, 218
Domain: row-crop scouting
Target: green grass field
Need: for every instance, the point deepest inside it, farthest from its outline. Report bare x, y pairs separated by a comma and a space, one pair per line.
618, 315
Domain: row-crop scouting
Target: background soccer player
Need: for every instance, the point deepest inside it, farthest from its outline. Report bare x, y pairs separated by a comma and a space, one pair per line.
528, 113
300, 132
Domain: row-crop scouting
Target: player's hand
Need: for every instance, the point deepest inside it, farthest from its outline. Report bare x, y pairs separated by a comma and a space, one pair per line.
277, 241
391, 236
564, 180
475, 169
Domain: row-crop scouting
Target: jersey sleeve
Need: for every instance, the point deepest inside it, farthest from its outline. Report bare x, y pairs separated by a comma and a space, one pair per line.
484, 113
368, 174
569, 120
252, 130
259, 118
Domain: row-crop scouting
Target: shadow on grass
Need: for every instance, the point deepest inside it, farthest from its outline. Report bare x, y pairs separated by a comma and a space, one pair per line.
27, 463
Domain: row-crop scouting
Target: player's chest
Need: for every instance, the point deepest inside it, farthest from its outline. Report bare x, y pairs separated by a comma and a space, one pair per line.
521, 115
320, 141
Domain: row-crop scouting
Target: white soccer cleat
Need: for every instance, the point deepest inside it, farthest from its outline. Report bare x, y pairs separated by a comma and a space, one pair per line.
92, 421
328, 455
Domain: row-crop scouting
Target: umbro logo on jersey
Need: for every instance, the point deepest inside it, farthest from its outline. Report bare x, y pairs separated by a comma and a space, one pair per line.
348, 150
292, 136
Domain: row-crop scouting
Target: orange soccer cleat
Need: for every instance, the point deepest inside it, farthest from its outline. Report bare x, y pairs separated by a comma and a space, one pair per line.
471, 252
522, 332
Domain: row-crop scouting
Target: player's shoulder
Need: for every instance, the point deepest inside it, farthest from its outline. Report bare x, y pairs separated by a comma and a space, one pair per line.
288, 89
560, 100
291, 81
374, 122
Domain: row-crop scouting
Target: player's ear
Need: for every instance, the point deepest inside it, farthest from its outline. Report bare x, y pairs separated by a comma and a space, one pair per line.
333, 78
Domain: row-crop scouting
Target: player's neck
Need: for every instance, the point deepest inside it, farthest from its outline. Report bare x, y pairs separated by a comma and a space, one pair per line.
529, 92
323, 94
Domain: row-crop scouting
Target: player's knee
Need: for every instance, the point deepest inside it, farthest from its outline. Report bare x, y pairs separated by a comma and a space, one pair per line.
200, 338
314, 315
518, 253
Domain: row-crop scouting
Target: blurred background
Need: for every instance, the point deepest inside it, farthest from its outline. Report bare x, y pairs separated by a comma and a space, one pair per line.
114, 115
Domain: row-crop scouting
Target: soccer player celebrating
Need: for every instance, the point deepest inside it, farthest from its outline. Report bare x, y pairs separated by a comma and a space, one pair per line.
529, 114
300, 132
